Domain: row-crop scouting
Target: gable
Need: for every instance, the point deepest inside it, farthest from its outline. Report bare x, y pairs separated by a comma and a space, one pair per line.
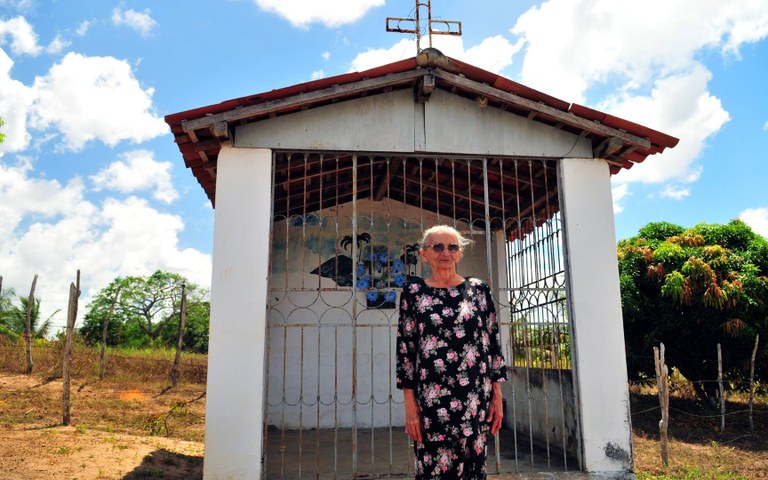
393, 123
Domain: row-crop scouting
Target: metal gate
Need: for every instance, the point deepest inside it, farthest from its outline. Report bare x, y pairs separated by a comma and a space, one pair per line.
344, 240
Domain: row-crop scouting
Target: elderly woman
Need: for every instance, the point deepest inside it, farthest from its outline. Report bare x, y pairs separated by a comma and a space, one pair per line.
449, 363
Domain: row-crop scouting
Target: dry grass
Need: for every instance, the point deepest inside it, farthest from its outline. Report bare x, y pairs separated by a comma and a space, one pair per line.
132, 425
697, 447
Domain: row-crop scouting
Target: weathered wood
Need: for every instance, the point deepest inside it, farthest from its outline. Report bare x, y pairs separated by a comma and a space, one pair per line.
28, 326
662, 375
752, 383
180, 340
74, 294
303, 98
608, 147
102, 366
564, 117
722, 387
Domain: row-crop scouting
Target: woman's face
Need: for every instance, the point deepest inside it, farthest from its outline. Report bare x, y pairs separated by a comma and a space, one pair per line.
447, 259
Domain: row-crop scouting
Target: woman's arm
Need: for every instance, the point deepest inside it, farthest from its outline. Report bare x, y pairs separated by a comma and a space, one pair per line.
412, 415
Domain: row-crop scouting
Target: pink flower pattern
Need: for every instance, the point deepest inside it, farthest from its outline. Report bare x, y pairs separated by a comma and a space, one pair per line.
457, 357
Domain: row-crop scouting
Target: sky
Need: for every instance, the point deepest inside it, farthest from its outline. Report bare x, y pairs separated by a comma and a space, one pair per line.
91, 179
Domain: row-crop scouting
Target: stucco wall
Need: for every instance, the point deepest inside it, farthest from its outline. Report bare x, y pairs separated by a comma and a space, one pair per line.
320, 339
540, 405
392, 122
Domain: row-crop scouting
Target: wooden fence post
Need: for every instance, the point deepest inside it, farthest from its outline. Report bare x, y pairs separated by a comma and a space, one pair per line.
28, 325
662, 373
752, 383
180, 340
74, 293
722, 388
104, 332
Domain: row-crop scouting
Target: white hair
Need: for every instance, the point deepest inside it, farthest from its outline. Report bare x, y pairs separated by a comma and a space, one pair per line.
463, 241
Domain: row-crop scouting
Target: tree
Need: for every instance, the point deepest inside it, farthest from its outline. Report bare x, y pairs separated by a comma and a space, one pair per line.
195, 330
2, 135
12, 318
145, 306
692, 289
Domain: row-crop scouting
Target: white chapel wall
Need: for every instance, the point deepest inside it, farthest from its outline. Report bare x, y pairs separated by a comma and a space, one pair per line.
311, 335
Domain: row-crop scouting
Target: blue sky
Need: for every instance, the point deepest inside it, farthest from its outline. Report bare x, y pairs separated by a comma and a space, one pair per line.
90, 177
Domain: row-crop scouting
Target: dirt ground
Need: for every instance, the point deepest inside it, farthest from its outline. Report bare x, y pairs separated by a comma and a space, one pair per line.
110, 435
147, 431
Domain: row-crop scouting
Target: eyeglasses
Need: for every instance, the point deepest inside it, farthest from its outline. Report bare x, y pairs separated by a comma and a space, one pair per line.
440, 247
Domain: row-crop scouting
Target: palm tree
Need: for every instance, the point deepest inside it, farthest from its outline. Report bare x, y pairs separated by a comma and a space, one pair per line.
12, 318
5, 308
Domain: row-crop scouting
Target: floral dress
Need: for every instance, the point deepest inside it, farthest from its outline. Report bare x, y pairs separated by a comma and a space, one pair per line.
448, 352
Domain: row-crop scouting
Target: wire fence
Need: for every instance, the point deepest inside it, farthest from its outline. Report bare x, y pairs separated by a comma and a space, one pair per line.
143, 366
745, 423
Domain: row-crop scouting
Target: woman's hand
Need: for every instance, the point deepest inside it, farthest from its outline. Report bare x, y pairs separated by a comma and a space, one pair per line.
412, 415
495, 409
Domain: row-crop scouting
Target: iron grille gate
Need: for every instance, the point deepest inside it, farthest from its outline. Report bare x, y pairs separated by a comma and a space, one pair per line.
344, 239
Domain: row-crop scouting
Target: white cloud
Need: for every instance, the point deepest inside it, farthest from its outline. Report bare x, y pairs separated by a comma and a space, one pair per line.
142, 22
619, 192
627, 47
57, 45
138, 171
493, 53
318, 74
675, 192
331, 13
602, 40
15, 103
95, 98
326, 55
50, 229
765, 127
23, 37
83, 28
757, 219
679, 105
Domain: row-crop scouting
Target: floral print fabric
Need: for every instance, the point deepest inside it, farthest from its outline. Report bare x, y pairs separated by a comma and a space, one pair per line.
448, 352
463, 458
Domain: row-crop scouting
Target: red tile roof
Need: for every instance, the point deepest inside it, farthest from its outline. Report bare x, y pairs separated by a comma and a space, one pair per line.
200, 132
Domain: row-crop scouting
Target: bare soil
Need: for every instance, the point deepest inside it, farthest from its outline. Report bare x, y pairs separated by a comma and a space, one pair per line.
145, 430
116, 432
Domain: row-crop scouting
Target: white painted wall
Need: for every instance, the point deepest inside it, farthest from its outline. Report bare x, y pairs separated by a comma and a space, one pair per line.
392, 122
598, 335
311, 331
234, 404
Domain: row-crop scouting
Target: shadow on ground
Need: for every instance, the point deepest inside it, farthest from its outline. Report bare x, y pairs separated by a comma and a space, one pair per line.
167, 465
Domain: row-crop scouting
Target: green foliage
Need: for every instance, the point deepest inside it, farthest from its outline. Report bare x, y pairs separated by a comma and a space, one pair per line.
13, 318
195, 337
659, 231
692, 289
147, 313
2, 135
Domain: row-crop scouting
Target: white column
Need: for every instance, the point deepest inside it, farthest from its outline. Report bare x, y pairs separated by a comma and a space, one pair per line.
599, 358
234, 403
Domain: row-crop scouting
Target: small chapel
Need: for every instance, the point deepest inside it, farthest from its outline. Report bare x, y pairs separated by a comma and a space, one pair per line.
321, 192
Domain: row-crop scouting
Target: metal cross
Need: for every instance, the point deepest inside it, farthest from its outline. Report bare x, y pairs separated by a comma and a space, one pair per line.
393, 25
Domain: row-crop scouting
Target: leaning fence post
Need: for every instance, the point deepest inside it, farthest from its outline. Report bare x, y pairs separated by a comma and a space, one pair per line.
752, 383
722, 389
661, 378
74, 293
104, 332
28, 325
180, 340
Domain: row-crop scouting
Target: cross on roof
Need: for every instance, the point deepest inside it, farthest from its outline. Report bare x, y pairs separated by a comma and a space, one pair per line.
393, 25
